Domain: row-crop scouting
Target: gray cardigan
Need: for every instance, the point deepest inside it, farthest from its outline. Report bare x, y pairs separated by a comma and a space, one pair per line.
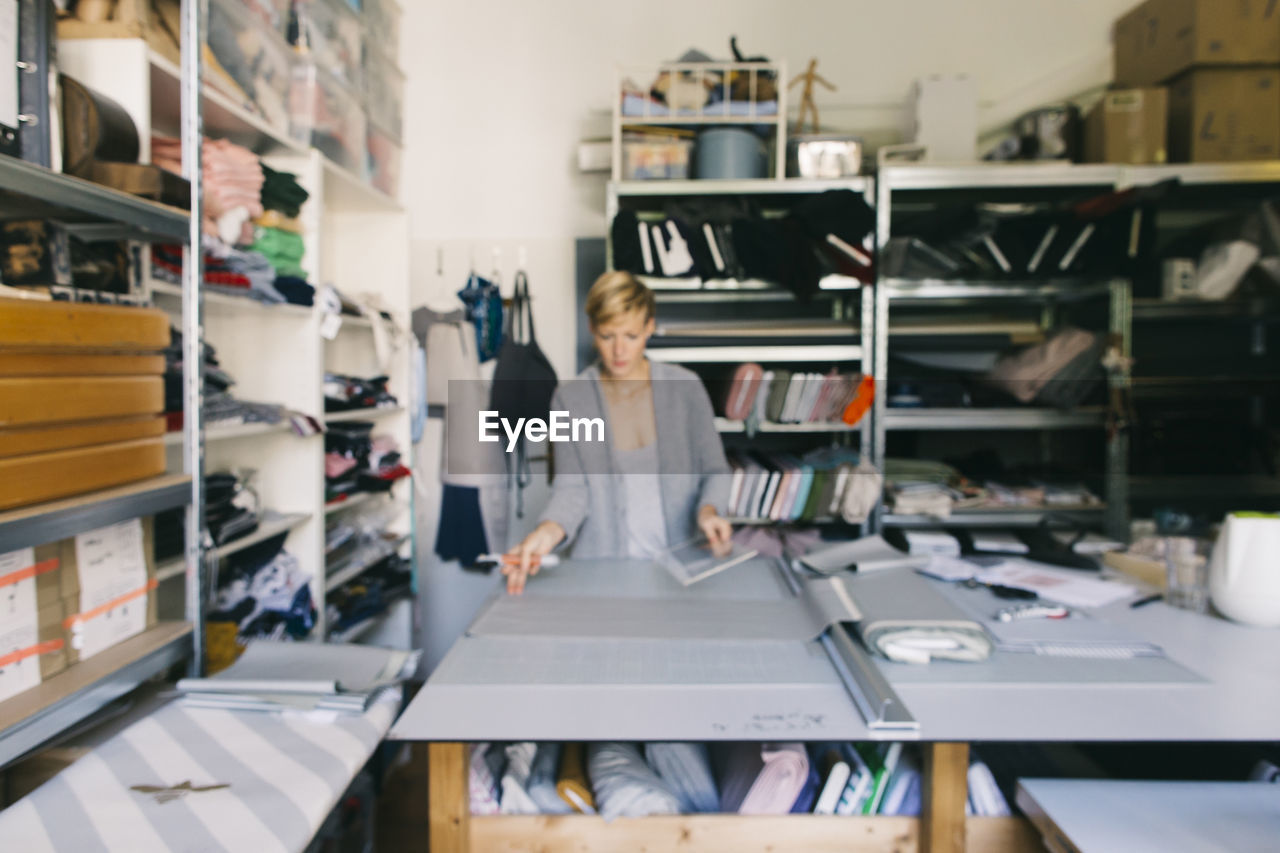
587, 494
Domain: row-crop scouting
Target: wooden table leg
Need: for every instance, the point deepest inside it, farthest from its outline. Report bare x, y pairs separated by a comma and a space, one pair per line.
946, 787
449, 798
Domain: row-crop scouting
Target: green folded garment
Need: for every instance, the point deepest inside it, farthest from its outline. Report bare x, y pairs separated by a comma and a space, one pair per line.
283, 249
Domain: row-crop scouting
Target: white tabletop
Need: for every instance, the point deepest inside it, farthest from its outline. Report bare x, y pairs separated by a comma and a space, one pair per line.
1104, 815
1224, 681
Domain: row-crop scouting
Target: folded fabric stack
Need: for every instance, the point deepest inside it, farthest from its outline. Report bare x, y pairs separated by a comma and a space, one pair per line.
265, 592
822, 484
344, 393
355, 461
278, 234
922, 487
230, 508
227, 270
369, 594
233, 179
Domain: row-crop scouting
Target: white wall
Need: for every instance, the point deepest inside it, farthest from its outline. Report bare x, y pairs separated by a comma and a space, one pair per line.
500, 92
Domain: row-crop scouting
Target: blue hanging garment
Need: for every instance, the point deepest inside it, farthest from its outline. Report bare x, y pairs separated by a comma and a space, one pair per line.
484, 310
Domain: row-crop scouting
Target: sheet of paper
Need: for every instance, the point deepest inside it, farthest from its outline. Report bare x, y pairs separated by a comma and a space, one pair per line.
1073, 588
8, 62
112, 569
925, 542
998, 542
870, 553
948, 568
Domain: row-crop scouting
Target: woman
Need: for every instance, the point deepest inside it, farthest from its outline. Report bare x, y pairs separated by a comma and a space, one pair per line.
660, 475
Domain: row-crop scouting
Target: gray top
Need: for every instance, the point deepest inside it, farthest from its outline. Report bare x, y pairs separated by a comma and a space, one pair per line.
642, 504
588, 494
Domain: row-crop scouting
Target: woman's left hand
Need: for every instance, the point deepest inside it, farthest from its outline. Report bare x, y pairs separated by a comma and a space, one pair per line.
717, 530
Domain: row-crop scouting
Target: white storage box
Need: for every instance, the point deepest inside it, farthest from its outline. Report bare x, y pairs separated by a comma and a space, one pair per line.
330, 35
384, 91
327, 114
249, 61
382, 24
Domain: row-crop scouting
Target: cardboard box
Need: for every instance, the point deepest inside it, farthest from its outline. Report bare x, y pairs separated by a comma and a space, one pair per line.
1128, 126
71, 588
1162, 38
49, 622
1219, 115
942, 115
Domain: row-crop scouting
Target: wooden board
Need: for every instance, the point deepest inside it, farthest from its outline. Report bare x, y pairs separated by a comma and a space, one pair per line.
946, 788
79, 364
26, 401
48, 476
449, 816
46, 438
734, 834
31, 325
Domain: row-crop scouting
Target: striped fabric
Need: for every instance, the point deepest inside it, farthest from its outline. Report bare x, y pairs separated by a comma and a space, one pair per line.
200, 780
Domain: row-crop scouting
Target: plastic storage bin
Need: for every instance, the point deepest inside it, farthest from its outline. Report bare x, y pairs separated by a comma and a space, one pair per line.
249, 62
384, 161
327, 114
382, 23
331, 36
649, 158
274, 13
384, 91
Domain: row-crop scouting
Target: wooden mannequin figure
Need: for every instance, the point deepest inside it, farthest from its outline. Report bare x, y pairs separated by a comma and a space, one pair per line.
806, 98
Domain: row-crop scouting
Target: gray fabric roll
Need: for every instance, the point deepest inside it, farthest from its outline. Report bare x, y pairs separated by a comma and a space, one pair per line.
624, 785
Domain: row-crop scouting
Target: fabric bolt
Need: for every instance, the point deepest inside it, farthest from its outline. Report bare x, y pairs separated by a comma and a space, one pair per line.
542, 780
483, 781
686, 769
515, 780
809, 793
572, 784
760, 778
461, 533
625, 786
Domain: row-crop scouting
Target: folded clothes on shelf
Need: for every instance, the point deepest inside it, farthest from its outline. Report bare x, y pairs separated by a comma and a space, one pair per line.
343, 393
265, 592
369, 594
230, 508
233, 179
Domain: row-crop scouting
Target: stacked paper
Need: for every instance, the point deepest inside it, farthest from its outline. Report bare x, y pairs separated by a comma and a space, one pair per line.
274, 676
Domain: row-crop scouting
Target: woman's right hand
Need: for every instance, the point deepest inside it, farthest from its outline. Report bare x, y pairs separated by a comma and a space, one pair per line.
523, 560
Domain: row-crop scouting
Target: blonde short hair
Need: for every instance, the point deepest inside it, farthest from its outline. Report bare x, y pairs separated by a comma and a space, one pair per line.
615, 294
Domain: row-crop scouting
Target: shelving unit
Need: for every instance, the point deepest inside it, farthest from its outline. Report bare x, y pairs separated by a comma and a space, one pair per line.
923, 185
355, 238
96, 212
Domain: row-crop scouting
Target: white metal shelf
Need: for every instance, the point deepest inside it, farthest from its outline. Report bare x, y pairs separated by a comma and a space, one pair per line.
364, 626
346, 192
62, 519
236, 431
992, 419
221, 116
50, 708
39, 193
365, 558
758, 186
1267, 171
213, 299
964, 176
362, 414
731, 354
725, 425
906, 291
993, 517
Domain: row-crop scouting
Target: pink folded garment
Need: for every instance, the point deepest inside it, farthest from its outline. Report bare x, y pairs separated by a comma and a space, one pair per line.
335, 464
761, 778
